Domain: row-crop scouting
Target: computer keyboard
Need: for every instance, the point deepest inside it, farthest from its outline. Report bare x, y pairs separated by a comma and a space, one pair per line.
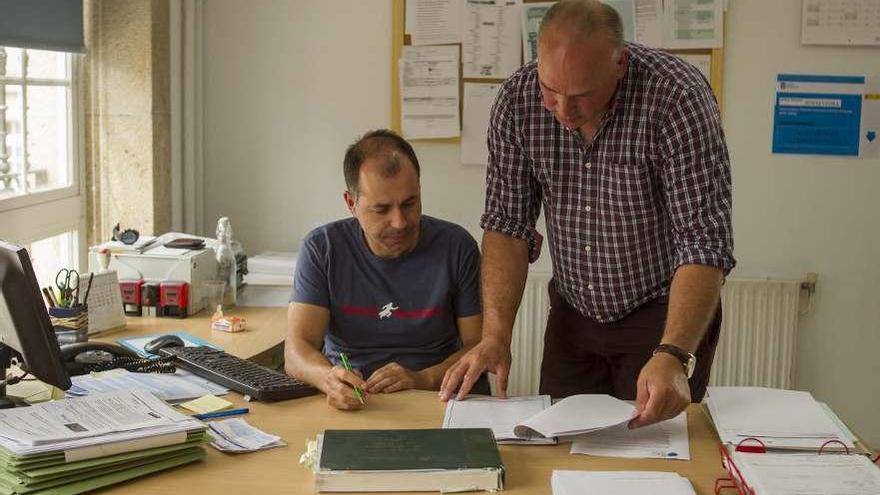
243, 376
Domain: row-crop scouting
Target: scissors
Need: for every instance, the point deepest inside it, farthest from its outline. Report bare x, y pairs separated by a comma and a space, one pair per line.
67, 282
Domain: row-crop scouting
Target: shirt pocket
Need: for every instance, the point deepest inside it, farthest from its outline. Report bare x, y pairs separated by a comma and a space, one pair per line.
628, 190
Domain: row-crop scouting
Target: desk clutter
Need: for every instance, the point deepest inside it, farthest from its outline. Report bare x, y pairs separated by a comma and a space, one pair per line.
170, 275
82, 444
770, 445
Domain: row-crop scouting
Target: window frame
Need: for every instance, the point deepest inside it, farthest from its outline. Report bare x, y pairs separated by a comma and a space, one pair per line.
35, 216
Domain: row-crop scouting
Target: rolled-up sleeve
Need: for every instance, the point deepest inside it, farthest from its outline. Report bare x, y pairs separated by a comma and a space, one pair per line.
697, 181
513, 196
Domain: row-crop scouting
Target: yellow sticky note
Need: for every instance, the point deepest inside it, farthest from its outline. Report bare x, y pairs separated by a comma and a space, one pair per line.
207, 404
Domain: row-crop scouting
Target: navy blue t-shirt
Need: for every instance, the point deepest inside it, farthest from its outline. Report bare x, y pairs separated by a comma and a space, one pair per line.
382, 310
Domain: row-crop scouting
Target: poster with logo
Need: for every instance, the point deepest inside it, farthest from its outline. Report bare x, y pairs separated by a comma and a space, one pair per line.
826, 115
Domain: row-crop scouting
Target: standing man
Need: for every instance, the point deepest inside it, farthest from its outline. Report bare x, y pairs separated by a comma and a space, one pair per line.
623, 147
395, 290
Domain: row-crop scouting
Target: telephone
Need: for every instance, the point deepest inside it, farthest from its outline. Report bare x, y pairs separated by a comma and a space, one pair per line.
84, 357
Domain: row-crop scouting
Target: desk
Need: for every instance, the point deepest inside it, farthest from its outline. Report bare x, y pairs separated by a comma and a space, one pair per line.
278, 470
528, 468
262, 341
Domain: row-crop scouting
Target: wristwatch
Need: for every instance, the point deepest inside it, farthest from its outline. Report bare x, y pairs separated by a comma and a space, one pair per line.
688, 360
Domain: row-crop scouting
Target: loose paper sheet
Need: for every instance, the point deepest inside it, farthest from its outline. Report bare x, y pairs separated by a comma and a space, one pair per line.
665, 440
433, 22
693, 23
619, 483
429, 92
491, 38
835, 22
478, 100
532, 13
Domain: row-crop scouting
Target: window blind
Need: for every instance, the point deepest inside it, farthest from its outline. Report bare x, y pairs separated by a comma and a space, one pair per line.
42, 24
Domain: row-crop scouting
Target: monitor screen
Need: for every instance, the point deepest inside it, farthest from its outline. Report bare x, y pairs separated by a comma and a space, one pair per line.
24, 322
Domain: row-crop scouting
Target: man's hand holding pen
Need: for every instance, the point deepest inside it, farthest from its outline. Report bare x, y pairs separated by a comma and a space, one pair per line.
340, 385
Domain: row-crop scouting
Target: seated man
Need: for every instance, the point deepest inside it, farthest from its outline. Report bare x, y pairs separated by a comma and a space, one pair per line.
396, 291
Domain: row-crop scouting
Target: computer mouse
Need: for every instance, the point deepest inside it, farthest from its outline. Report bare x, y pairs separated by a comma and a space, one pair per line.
169, 340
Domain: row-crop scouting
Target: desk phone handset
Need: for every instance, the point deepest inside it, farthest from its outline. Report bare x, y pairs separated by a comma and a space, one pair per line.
84, 357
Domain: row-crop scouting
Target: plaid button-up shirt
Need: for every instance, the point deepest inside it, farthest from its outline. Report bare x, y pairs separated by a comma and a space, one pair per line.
652, 191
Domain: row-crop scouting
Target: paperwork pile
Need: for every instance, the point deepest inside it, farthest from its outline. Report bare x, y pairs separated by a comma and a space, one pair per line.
269, 279
780, 419
785, 474
172, 387
271, 268
81, 444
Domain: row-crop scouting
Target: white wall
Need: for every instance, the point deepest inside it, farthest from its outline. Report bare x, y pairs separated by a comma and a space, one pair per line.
794, 214
289, 84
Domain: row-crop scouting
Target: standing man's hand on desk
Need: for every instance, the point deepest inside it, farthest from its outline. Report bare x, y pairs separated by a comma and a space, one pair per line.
503, 273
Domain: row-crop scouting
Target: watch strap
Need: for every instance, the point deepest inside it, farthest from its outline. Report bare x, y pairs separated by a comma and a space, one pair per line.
679, 353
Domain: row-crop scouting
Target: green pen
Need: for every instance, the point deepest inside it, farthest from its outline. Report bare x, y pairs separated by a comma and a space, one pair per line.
347, 366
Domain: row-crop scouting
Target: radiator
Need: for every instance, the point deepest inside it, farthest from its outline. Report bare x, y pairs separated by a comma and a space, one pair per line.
527, 343
758, 333
756, 348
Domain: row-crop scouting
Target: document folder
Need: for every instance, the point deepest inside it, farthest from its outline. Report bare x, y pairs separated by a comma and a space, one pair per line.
852, 473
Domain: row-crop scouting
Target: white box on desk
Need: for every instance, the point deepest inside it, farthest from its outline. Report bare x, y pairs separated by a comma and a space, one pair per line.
193, 267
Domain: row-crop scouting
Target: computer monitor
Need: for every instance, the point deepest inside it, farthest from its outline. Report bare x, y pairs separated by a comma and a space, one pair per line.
24, 323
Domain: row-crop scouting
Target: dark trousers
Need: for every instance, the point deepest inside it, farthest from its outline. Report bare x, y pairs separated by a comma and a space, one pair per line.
582, 356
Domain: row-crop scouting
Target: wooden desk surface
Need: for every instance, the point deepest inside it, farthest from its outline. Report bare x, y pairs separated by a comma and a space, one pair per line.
278, 470
265, 330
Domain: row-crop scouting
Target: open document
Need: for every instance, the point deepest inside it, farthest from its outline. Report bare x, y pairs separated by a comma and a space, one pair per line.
530, 419
576, 415
808, 474
500, 415
619, 483
665, 440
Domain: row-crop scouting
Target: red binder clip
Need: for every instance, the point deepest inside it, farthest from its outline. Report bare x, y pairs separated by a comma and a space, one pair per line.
751, 449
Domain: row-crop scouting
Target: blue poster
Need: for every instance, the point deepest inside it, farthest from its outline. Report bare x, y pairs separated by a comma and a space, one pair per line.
818, 115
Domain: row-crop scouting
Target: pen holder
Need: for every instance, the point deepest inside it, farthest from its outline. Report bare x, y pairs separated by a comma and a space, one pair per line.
70, 324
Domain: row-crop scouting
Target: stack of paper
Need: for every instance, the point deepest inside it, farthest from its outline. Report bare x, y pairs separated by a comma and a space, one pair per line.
786, 474
269, 279
271, 268
780, 419
173, 387
664, 440
619, 483
81, 444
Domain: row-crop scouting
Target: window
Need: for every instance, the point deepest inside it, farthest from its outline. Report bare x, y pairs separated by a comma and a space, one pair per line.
41, 200
36, 153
